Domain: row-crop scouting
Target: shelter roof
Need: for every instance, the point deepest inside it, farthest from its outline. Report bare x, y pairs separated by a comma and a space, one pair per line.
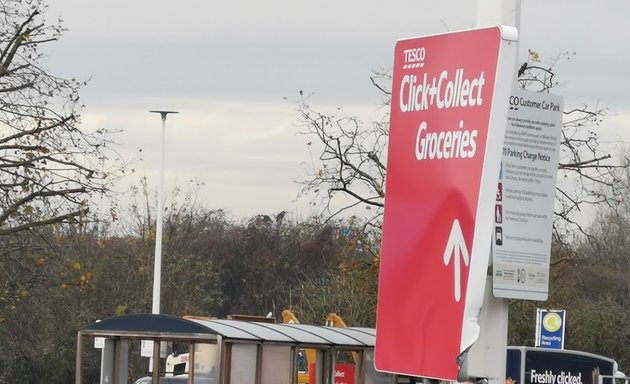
150, 326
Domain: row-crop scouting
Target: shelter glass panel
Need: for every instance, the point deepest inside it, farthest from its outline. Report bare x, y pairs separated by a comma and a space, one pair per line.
207, 360
372, 376
243, 364
276, 364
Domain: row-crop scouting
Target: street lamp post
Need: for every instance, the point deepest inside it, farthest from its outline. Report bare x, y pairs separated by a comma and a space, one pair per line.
157, 269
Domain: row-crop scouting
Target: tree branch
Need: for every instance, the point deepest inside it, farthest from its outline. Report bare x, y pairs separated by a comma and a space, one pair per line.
53, 220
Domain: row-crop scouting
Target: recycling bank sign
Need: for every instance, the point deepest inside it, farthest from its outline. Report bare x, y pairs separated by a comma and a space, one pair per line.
550, 328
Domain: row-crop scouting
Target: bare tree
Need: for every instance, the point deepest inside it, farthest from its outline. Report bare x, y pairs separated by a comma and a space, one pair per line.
351, 154
351, 158
49, 168
586, 173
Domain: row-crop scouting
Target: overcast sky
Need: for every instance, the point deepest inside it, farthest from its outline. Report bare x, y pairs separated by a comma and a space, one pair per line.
227, 65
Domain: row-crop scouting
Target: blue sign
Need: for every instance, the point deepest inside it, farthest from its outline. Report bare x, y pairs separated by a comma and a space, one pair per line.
550, 328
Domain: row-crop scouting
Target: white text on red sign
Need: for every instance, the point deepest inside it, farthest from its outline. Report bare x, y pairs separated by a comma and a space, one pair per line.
443, 91
449, 144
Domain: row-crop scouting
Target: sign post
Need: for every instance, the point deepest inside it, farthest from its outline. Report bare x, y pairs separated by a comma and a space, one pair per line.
448, 113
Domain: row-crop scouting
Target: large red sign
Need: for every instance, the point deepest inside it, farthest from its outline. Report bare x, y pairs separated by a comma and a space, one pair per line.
442, 167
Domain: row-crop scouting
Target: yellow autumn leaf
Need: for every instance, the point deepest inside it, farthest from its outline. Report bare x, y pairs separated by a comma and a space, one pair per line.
533, 55
120, 309
28, 210
76, 266
343, 267
378, 189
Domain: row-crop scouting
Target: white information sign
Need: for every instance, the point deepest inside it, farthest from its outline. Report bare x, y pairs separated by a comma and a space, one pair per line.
523, 213
146, 348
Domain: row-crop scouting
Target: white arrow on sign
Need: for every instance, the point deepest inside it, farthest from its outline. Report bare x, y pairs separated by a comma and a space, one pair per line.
456, 245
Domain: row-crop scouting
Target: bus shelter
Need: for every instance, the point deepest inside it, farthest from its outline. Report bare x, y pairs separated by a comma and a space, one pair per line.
221, 351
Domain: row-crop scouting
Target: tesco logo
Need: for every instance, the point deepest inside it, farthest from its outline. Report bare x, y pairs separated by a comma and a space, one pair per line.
414, 57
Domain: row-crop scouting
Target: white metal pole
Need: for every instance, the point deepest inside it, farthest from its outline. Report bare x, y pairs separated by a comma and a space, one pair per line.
157, 268
487, 357
495, 12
